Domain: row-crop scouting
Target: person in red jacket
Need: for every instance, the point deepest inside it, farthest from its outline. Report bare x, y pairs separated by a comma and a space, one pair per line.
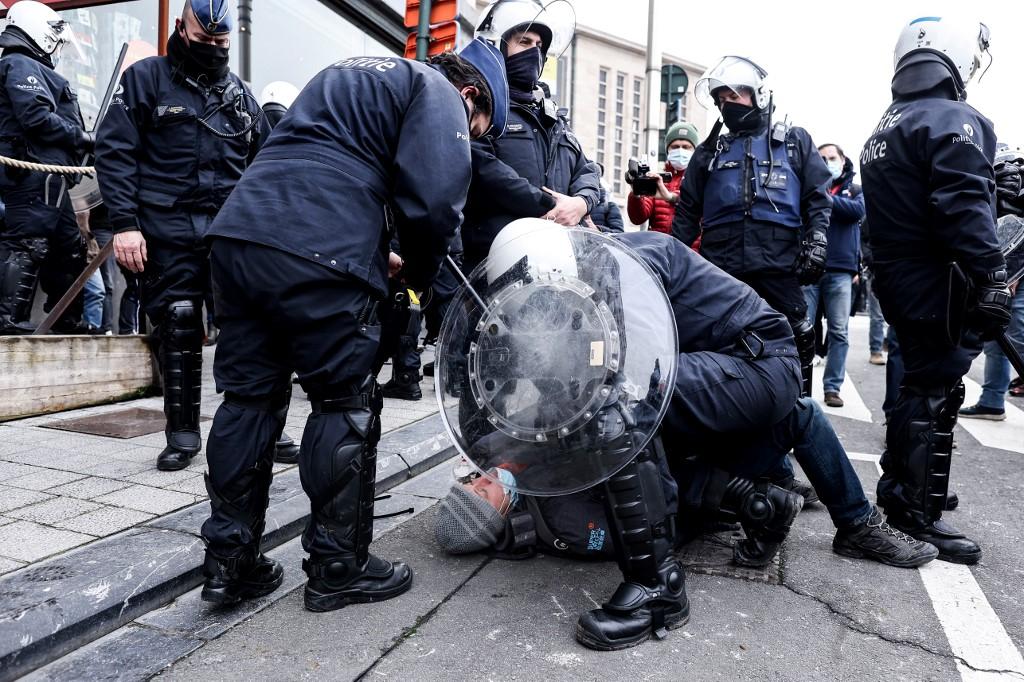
680, 141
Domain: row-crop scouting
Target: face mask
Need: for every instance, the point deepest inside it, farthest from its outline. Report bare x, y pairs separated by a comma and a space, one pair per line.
740, 117
523, 69
679, 158
198, 59
835, 168
508, 482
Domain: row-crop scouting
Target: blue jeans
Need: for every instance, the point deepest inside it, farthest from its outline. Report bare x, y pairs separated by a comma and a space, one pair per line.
997, 367
816, 447
835, 290
876, 332
93, 300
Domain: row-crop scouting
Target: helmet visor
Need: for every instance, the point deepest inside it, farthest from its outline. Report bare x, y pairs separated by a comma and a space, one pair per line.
732, 73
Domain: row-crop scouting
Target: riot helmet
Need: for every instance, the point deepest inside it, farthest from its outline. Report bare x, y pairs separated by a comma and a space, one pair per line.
554, 22
561, 353
42, 26
959, 42
276, 99
734, 73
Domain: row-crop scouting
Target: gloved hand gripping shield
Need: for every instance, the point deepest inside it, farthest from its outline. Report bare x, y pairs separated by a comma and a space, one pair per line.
559, 365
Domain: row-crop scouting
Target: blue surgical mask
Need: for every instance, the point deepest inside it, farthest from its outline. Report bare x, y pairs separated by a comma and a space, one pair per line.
508, 482
679, 158
835, 168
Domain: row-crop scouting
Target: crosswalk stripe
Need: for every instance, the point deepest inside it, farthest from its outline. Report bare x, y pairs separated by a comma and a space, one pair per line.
854, 407
1005, 435
976, 636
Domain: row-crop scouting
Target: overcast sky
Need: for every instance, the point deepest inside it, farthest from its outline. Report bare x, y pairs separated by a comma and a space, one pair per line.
830, 63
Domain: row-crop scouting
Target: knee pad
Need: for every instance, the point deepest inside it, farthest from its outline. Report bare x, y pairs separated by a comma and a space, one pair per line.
182, 326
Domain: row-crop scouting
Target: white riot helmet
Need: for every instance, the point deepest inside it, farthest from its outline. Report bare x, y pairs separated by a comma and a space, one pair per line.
535, 246
960, 41
733, 73
554, 21
42, 25
279, 92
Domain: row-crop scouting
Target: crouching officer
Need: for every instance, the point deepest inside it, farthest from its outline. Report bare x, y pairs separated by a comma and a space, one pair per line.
305, 299
180, 131
939, 274
39, 122
759, 193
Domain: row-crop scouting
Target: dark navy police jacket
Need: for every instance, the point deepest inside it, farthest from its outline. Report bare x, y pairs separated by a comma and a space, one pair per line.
844, 226
929, 188
39, 116
151, 149
742, 231
370, 146
537, 150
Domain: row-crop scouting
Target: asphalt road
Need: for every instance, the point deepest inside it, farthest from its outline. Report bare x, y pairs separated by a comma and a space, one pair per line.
827, 618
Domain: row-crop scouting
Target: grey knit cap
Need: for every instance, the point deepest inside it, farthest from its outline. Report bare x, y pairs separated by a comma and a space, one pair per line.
467, 523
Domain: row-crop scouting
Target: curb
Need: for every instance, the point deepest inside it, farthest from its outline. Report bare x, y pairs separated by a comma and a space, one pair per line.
66, 602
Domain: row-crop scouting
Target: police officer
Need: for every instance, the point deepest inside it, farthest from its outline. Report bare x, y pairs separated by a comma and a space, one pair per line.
344, 171
180, 131
39, 122
275, 99
929, 190
538, 167
759, 193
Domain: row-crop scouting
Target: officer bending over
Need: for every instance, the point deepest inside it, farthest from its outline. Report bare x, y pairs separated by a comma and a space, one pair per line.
299, 257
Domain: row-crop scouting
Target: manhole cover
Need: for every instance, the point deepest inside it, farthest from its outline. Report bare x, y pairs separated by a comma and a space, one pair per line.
711, 554
129, 423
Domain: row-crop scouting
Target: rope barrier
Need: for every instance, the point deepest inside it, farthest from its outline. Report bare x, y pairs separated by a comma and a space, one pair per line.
47, 168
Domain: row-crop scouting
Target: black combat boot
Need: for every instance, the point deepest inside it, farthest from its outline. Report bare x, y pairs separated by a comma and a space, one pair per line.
181, 337
336, 582
651, 600
340, 483
248, 575
404, 386
766, 513
800, 487
953, 546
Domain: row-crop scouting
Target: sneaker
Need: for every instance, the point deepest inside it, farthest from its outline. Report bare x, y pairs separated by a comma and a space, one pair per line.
877, 359
832, 399
982, 412
801, 488
877, 540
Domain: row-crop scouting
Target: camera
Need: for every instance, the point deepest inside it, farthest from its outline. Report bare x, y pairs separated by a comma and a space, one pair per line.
642, 184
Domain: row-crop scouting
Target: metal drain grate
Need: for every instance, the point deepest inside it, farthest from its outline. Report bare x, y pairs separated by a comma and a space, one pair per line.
129, 423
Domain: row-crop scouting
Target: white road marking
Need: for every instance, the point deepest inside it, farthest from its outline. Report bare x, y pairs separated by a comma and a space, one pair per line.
1005, 435
973, 629
854, 407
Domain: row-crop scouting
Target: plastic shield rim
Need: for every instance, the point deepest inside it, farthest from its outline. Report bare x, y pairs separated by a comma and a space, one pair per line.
444, 339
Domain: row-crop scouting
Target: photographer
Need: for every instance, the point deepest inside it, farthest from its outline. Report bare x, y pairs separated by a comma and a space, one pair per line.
680, 141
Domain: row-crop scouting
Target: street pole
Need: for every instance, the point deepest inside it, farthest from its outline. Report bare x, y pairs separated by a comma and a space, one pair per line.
653, 127
423, 32
245, 40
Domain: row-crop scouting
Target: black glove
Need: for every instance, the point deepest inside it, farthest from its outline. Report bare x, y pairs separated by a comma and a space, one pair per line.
810, 266
86, 141
1009, 189
990, 314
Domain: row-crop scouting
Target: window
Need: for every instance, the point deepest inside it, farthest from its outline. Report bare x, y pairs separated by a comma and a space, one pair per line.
620, 104
602, 113
638, 86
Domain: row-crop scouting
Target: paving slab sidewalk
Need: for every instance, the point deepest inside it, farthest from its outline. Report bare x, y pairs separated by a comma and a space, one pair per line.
60, 490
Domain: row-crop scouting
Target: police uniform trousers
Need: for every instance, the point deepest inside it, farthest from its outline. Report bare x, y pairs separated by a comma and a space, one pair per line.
280, 313
782, 291
39, 241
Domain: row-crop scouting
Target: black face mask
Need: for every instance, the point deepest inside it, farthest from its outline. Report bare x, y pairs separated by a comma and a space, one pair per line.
523, 69
198, 59
740, 117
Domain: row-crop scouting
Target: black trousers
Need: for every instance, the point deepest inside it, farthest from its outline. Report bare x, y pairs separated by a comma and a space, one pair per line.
782, 291
280, 313
178, 267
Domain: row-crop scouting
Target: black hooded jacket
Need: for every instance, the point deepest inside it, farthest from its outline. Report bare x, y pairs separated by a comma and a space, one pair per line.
929, 191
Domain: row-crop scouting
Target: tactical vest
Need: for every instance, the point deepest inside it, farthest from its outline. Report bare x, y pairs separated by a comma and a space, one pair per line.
734, 192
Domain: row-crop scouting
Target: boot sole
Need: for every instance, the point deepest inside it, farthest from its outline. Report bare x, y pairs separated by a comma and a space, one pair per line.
320, 603
223, 598
585, 638
858, 554
967, 560
175, 467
